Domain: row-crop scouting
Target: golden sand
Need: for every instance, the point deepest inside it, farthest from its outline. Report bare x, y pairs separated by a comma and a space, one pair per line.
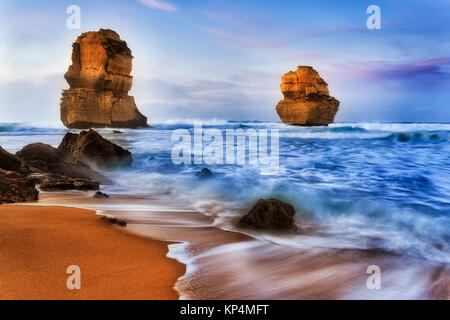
38, 244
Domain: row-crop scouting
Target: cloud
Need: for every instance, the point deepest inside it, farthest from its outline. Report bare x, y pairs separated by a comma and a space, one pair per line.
427, 73
169, 96
25, 100
160, 5
429, 68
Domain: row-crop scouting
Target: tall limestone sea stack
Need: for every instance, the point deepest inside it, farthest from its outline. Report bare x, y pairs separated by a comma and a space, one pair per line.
307, 101
99, 80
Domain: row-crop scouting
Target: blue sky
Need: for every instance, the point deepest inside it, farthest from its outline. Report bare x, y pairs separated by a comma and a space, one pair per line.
223, 59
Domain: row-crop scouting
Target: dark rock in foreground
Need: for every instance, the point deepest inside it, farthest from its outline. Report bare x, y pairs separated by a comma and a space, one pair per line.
10, 162
91, 148
15, 187
58, 169
269, 214
55, 182
205, 173
53, 170
43, 158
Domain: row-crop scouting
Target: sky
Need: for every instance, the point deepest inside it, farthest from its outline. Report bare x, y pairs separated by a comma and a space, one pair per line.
223, 59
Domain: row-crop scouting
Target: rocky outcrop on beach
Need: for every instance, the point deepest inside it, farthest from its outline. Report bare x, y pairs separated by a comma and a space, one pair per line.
44, 159
270, 214
99, 80
10, 162
91, 148
307, 101
54, 170
65, 168
16, 187
56, 182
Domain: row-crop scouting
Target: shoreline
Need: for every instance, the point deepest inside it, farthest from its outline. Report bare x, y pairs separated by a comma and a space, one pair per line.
38, 243
243, 262
198, 254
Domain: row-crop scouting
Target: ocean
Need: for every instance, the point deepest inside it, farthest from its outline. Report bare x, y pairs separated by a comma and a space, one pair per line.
380, 190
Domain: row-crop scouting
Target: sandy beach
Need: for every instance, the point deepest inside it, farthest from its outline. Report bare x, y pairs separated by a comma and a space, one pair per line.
37, 244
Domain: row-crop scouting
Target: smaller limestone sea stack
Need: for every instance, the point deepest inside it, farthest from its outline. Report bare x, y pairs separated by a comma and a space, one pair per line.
99, 80
307, 101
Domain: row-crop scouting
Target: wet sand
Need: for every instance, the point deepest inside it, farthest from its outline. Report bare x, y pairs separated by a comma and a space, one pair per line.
255, 268
38, 243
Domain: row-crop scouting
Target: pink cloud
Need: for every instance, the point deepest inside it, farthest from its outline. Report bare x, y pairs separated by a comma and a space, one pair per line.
425, 74
433, 68
160, 5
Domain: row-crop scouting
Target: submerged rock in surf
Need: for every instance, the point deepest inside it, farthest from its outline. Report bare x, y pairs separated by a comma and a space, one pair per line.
205, 173
115, 220
270, 214
100, 195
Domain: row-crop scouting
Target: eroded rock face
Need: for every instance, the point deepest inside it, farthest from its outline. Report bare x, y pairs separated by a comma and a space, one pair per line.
99, 80
10, 162
55, 170
15, 187
270, 214
91, 148
307, 101
56, 182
